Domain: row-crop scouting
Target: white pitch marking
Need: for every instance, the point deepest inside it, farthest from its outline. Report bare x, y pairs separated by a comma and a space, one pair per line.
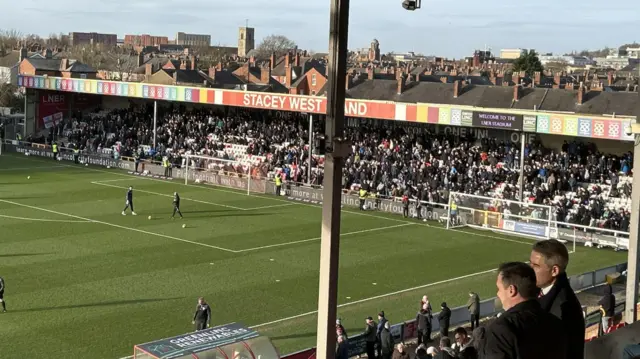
378, 297
317, 238
119, 226
304, 204
43, 220
99, 183
273, 206
30, 168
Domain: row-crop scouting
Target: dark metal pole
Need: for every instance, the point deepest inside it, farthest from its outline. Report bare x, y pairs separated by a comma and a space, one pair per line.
334, 158
310, 148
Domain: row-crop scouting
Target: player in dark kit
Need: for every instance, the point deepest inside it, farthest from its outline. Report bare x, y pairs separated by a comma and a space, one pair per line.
202, 317
176, 205
129, 203
4, 305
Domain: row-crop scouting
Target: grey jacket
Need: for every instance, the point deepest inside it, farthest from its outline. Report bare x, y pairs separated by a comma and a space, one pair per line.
474, 304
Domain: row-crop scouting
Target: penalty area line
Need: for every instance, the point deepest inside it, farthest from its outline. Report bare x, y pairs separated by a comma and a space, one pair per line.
378, 297
318, 238
119, 226
100, 183
44, 220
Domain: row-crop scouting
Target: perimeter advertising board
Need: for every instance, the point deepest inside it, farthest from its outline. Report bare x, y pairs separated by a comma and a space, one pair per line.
93, 160
315, 196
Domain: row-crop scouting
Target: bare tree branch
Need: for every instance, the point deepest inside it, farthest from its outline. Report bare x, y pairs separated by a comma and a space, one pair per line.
274, 43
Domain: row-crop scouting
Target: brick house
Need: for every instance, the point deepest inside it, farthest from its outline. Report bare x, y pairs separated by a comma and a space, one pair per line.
57, 67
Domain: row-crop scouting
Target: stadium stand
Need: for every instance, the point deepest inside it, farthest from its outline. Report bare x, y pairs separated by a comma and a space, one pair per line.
584, 186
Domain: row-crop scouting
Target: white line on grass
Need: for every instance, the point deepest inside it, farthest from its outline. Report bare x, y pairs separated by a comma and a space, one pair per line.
44, 220
118, 226
378, 297
272, 206
99, 183
300, 204
30, 168
317, 238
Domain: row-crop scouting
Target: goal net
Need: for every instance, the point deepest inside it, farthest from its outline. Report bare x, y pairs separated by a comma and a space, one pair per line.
247, 174
501, 215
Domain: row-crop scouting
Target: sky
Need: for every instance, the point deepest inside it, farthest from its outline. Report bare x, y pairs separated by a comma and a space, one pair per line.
451, 29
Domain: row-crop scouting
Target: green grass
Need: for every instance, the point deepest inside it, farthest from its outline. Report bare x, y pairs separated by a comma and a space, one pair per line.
85, 282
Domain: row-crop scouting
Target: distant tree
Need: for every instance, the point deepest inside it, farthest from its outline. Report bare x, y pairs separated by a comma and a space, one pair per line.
93, 56
9, 96
57, 40
9, 39
529, 63
274, 43
119, 62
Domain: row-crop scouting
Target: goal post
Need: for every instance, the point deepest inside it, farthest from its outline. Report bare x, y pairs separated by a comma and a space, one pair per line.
501, 215
247, 175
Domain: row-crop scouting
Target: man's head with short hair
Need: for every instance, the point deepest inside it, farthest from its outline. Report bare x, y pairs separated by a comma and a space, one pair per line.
400, 347
516, 284
460, 335
445, 342
201, 300
548, 259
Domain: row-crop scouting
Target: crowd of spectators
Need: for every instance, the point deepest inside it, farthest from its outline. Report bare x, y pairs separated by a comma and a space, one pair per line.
577, 180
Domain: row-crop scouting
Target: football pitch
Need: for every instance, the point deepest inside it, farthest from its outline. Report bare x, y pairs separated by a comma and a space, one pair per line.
83, 281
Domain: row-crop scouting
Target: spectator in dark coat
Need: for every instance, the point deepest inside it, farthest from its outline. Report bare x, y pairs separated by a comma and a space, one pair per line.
381, 322
607, 307
386, 340
400, 353
424, 325
473, 304
446, 352
370, 337
443, 319
525, 330
549, 260
342, 350
464, 345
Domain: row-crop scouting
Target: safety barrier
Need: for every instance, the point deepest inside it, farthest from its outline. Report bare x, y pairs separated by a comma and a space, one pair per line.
407, 331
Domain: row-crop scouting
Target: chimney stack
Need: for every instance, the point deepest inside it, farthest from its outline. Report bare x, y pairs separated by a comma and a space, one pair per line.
289, 74
23, 53
297, 59
194, 63
610, 78
219, 66
252, 61
64, 64
401, 83
581, 94
457, 87
183, 64
517, 93
349, 82
148, 70
443, 79
569, 86
273, 60
265, 75
370, 73
537, 78
556, 80
140, 59
287, 60
212, 73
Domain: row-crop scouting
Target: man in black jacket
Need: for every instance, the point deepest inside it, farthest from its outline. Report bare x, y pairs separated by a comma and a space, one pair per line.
525, 330
443, 319
424, 325
370, 334
202, 316
549, 260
